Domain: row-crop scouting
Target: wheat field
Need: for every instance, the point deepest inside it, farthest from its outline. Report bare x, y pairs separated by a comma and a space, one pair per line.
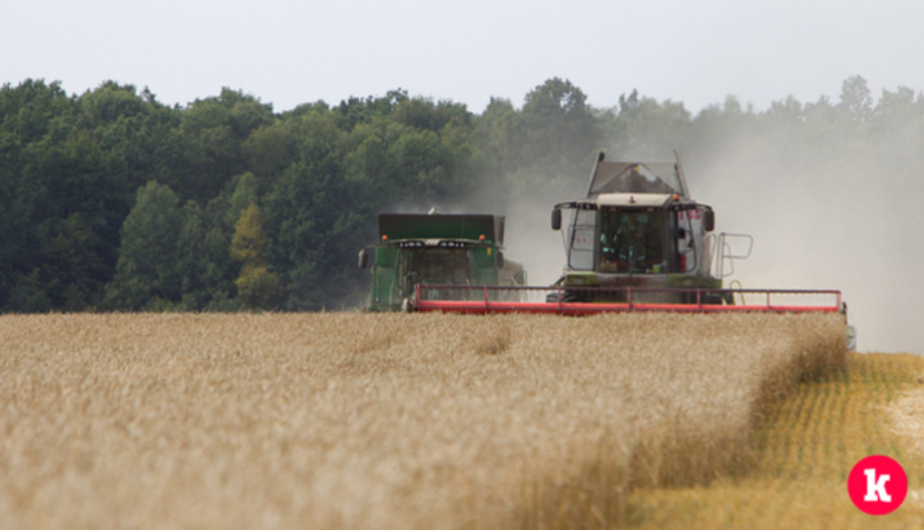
806, 446
339, 420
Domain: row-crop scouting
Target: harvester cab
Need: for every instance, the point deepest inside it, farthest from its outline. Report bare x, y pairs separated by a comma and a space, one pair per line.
443, 250
639, 227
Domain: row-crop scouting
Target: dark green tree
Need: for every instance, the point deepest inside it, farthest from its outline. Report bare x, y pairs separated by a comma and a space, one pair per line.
210, 136
558, 125
146, 271
356, 111
33, 116
270, 149
316, 219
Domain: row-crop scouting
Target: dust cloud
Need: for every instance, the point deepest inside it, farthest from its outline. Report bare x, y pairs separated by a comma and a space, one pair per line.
843, 216
832, 202
531, 240
839, 213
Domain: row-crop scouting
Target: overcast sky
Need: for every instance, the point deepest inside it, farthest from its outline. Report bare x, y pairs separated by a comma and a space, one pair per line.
288, 52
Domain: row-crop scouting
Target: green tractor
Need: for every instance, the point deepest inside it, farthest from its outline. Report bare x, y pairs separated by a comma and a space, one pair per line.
449, 251
638, 227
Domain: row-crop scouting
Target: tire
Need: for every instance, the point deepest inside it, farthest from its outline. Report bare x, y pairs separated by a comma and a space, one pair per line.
712, 299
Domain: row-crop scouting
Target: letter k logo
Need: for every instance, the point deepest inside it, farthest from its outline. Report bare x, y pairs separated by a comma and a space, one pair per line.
867, 484
875, 489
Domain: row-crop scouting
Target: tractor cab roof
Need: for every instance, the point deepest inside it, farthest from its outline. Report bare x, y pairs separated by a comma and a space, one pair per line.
473, 227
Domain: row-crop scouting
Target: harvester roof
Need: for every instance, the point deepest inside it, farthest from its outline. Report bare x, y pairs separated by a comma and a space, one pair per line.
636, 177
442, 226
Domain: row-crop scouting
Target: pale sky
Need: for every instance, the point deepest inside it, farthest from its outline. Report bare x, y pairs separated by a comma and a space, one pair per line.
288, 52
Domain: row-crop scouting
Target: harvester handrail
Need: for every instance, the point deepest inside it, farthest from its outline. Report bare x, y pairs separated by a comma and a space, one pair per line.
721, 252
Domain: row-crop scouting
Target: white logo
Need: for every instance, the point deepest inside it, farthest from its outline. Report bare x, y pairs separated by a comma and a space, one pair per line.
875, 489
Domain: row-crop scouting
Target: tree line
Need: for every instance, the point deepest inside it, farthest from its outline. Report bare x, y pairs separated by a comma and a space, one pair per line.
111, 200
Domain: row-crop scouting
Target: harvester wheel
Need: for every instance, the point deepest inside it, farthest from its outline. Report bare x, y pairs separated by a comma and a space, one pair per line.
568, 297
576, 296
712, 299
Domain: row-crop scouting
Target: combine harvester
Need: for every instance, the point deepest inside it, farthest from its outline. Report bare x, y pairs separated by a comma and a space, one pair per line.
636, 242
443, 253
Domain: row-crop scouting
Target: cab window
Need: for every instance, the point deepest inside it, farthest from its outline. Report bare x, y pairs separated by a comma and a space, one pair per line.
581, 248
447, 266
632, 241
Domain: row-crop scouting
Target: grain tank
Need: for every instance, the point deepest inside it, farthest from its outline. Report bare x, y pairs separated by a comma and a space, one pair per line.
450, 250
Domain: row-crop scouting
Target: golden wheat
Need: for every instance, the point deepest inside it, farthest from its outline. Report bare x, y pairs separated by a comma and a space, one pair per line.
806, 447
381, 421
906, 414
